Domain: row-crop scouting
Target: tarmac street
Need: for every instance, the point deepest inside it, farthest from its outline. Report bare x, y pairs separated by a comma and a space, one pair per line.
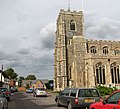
22, 100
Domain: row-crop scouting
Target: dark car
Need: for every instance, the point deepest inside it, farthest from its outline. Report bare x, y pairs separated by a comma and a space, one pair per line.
6, 92
111, 102
79, 98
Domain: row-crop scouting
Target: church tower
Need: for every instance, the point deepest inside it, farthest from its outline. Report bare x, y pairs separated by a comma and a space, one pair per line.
69, 25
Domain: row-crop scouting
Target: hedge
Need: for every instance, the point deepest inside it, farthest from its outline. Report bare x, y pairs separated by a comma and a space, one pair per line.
105, 90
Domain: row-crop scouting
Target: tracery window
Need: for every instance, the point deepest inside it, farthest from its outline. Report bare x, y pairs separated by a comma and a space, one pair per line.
72, 25
93, 49
116, 51
100, 73
105, 50
115, 74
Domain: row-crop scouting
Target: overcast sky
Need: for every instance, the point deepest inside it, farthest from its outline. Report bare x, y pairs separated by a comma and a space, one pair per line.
27, 31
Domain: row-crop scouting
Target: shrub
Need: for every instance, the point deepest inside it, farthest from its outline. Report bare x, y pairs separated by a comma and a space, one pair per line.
105, 90
27, 86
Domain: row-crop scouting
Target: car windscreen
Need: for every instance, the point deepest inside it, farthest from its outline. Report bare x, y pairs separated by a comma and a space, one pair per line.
88, 93
30, 89
42, 89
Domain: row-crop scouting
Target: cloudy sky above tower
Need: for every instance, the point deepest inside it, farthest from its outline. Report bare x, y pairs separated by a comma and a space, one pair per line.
27, 31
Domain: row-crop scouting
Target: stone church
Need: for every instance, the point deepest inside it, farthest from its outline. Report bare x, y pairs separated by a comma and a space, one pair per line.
79, 62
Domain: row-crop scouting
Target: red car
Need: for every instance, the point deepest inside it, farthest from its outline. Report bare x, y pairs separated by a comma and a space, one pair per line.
112, 102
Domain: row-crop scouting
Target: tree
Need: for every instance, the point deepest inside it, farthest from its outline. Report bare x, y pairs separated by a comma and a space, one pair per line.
27, 86
4, 74
21, 78
30, 77
49, 85
20, 81
10, 73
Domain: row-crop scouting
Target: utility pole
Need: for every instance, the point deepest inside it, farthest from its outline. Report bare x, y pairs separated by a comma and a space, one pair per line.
1, 74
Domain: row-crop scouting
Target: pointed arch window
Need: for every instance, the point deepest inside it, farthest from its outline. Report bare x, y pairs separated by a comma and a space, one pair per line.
100, 73
116, 51
115, 74
105, 50
93, 49
72, 25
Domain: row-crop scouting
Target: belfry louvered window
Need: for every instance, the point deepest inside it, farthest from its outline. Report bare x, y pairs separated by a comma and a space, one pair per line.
72, 25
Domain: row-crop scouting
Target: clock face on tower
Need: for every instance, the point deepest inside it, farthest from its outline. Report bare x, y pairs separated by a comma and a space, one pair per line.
70, 34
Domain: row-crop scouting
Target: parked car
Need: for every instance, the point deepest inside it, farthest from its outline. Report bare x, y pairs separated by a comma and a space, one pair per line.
6, 93
29, 91
111, 102
78, 97
39, 92
3, 101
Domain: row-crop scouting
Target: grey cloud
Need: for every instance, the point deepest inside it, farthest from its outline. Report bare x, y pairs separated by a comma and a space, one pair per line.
24, 37
47, 36
89, 20
39, 66
23, 51
49, 42
3, 55
7, 56
105, 28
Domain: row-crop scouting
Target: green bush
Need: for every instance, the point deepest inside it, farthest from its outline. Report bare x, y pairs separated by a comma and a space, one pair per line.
105, 90
27, 86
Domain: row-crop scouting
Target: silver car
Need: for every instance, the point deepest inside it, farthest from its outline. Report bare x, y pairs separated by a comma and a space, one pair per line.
39, 92
78, 98
3, 102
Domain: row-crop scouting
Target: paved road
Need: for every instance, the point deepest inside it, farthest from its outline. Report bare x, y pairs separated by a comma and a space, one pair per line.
27, 101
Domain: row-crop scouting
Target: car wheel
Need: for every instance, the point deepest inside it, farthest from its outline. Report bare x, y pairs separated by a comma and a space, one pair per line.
92, 108
6, 106
70, 106
8, 99
58, 104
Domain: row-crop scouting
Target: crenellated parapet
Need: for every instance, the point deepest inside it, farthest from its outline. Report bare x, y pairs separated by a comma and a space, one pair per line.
68, 12
71, 12
102, 43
